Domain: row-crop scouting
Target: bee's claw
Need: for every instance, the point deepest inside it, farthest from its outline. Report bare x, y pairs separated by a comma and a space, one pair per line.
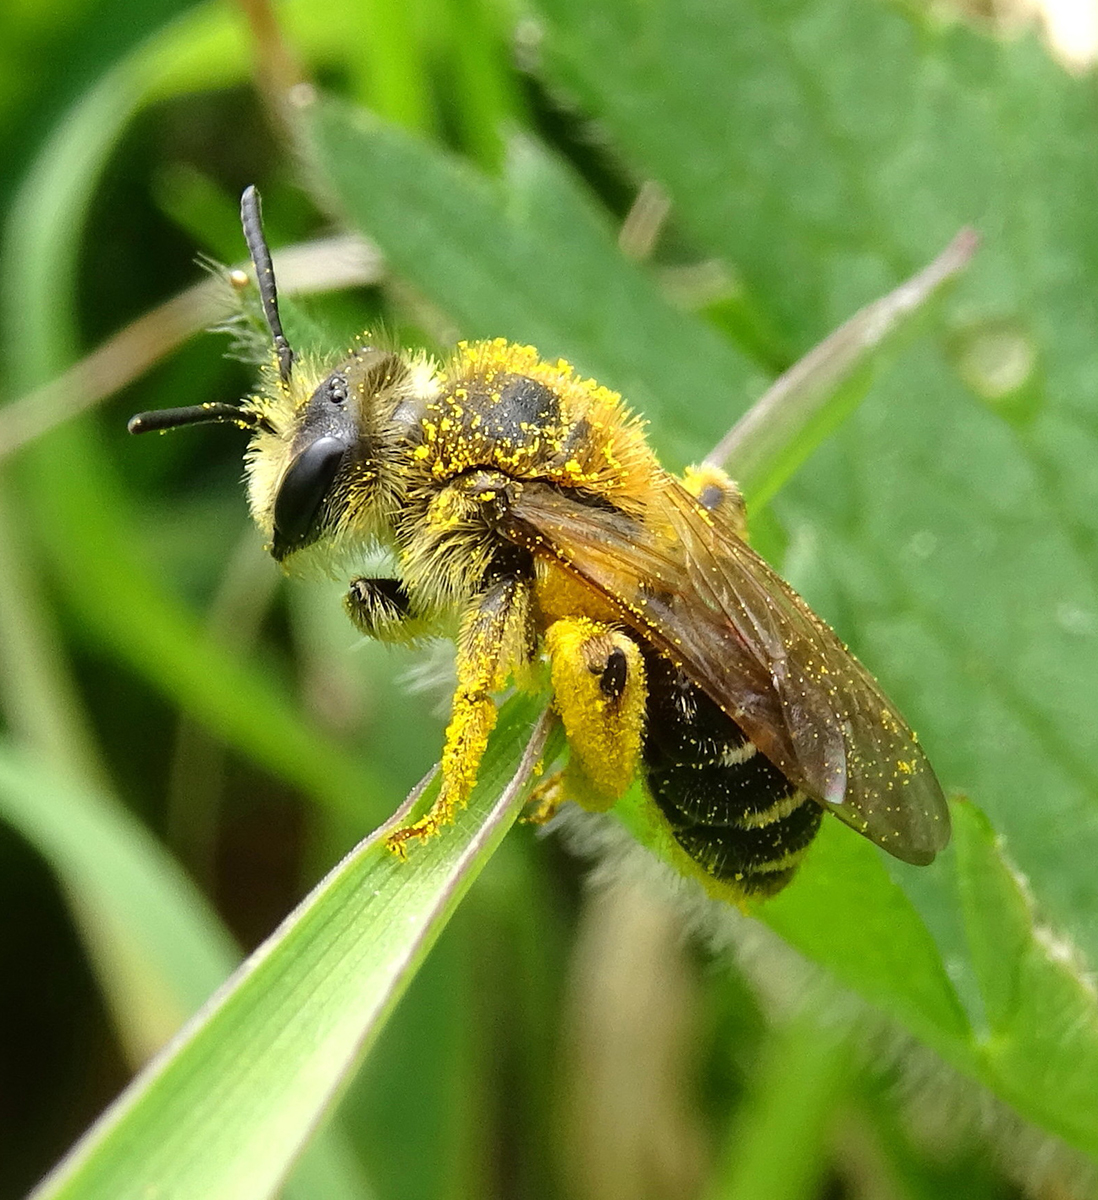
422, 829
395, 845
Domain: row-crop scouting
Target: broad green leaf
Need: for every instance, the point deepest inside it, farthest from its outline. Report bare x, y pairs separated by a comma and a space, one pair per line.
845, 912
848, 914
912, 526
227, 1109
532, 259
965, 500
815, 396
949, 528
430, 192
1040, 1041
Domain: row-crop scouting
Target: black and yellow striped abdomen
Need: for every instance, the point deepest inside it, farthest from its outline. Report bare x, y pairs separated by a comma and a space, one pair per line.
727, 805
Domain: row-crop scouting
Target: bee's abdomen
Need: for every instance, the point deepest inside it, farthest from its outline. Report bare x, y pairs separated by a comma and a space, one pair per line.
727, 805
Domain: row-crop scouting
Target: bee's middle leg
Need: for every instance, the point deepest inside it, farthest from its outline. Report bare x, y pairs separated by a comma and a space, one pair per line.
717, 493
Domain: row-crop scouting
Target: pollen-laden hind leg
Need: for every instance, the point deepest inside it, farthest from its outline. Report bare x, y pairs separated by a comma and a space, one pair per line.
599, 690
494, 640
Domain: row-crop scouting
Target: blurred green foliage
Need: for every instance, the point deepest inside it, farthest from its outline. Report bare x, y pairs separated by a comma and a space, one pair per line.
189, 744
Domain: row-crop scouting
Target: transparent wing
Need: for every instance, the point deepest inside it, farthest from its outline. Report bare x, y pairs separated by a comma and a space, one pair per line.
685, 581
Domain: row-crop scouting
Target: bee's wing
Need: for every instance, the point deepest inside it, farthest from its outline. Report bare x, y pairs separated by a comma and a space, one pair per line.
703, 597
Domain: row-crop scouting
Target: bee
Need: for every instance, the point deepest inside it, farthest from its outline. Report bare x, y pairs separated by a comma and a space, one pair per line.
522, 505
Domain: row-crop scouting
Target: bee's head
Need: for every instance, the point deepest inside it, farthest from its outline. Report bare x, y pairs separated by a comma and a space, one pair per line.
322, 456
323, 460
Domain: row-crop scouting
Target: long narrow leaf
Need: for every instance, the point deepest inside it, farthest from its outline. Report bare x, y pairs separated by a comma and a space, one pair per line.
778, 433
227, 1109
166, 944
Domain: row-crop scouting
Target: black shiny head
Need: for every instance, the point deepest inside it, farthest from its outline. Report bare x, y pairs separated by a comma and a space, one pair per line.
332, 450
324, 443
302, 492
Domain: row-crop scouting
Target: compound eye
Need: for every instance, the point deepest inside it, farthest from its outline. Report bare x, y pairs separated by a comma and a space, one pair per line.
302, 491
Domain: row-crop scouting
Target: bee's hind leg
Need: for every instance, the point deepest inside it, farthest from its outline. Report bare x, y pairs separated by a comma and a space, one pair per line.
600, 692
494, 640
716, 492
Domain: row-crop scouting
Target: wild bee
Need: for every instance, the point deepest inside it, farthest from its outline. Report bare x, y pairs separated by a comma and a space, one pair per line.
524, 502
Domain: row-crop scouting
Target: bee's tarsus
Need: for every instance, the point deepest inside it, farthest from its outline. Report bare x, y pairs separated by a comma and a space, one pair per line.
545, 801
421, 830
395, 846
251, 217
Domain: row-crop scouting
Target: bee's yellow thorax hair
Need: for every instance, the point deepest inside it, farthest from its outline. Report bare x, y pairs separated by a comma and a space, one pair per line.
597, 445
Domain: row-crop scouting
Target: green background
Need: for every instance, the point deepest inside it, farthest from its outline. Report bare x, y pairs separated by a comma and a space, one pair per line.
190, 743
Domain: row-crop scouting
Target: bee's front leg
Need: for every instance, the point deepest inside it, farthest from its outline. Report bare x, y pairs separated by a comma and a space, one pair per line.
382, 609
495, 639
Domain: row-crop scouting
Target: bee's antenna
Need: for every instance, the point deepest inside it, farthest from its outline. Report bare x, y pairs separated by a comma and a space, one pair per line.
251, 217
196, 414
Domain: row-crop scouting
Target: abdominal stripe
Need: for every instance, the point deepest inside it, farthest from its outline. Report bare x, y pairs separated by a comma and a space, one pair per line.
726, 804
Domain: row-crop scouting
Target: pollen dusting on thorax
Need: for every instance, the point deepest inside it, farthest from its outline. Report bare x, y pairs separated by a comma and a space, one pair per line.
500, 406
560, 594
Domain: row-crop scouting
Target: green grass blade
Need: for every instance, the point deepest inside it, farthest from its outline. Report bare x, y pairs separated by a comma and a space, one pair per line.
167, 947
39, 698
158, 948
778, 1144
309, 267
80, 509
224, 1113
813, 398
